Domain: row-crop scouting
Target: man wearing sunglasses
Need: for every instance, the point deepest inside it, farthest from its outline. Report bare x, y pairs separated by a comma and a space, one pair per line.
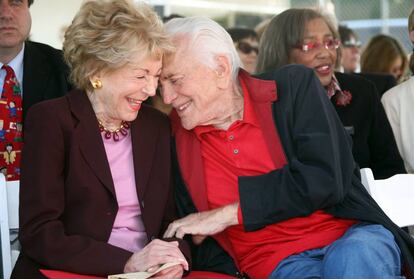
351, 49
265, 168
247, 44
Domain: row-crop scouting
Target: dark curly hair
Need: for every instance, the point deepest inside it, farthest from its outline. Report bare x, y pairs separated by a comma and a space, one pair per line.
30, 2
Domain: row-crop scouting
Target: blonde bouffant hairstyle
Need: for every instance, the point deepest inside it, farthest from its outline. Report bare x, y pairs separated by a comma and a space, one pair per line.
106, 34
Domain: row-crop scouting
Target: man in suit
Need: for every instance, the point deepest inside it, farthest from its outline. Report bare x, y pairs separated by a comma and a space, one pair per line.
265, 167
39, 69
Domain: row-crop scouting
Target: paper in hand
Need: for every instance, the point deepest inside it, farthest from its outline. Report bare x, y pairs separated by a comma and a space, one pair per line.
142, 274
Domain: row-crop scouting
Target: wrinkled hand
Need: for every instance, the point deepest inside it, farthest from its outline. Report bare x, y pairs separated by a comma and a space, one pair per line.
174, 272
204, 223
156, 253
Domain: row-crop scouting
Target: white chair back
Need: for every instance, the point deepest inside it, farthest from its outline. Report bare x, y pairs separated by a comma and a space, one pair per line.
395, 195
9, 223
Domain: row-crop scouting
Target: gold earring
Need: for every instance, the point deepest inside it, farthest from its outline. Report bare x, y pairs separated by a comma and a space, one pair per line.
96, 84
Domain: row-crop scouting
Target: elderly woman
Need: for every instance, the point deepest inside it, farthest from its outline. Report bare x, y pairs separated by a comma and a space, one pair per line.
304, 36
95, 188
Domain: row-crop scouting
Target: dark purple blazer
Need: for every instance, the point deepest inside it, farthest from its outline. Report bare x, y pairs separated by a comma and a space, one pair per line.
67, 197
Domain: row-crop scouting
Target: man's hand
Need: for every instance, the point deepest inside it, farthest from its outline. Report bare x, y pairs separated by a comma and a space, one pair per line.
174, 272
204, 223
154, 254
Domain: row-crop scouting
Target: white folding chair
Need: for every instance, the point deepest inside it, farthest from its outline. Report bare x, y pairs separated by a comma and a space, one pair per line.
9, 224
395, 195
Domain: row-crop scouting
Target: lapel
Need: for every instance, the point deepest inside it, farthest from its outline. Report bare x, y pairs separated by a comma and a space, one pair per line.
191, 163
36, 73
144, 133
90, 140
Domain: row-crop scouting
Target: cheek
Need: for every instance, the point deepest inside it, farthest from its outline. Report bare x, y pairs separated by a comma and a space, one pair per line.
334, 55
26, 22
300, 58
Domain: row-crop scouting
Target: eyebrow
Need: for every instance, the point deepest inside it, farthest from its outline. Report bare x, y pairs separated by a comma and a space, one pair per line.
313, 37
146, 70
170, 75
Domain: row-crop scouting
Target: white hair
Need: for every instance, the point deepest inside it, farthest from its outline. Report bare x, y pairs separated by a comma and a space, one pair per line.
207, 39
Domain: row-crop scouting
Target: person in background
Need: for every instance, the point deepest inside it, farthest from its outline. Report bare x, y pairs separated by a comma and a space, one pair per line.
398, 103
265, 167
29, 73
351, 49
384, 54
350, 57
312, 40
95, 191
247, 45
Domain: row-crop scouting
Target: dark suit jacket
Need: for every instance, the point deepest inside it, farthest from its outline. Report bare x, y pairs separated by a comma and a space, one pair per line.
320, 164
67, 197
374, 145
382, 82
45, 75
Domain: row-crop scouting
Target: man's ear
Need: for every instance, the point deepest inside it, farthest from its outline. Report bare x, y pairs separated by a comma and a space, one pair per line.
223, 71
412, 36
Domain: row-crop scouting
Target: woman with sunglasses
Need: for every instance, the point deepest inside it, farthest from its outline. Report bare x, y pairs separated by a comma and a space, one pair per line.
247, 45
304, 36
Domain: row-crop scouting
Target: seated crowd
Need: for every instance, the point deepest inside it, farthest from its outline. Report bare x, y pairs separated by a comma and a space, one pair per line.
250, 171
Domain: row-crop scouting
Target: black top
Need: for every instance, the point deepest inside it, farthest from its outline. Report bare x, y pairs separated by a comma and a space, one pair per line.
382, 82
365, 119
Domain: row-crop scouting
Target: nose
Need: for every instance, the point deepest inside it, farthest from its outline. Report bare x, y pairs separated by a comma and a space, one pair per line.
151, 86
5, 10
355, 50
168, 94
323, 52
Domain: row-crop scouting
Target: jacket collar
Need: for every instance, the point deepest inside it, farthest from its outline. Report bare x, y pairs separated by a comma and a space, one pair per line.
92, 146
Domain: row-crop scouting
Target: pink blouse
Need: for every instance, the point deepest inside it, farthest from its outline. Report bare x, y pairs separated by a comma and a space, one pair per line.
128, 231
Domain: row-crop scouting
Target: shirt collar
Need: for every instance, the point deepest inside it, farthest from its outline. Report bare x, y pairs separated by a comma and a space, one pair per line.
249, 114
333, 87
17, 65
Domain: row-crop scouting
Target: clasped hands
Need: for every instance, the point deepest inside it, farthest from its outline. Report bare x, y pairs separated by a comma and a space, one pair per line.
199, 225
156, 253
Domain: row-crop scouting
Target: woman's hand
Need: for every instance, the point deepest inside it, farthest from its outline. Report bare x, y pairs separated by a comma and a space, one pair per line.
156, 253
174, 272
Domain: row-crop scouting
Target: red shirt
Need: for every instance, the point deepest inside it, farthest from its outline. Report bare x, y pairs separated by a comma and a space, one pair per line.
242, 151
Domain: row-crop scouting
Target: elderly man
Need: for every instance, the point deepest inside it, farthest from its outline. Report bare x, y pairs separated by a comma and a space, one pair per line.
29, 73
265, 167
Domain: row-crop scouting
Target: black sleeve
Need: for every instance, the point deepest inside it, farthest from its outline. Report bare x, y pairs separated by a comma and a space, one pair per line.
320, 163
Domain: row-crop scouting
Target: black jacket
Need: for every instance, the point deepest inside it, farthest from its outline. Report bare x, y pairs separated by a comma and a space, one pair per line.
364, 118
45, 74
